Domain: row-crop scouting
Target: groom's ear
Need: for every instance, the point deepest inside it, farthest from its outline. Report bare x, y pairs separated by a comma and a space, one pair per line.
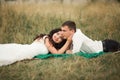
72, 30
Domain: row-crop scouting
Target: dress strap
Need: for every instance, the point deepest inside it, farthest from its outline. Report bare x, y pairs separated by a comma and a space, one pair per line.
44, 37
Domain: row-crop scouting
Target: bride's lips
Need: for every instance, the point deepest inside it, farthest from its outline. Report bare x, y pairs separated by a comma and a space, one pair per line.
56, 39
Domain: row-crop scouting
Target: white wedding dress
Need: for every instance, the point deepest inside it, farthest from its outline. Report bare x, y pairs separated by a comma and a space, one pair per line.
10, 53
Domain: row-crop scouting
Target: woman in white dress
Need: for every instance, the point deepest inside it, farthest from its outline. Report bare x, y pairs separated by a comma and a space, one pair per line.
42, 44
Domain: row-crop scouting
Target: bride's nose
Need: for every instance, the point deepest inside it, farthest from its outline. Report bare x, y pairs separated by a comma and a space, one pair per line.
57, 36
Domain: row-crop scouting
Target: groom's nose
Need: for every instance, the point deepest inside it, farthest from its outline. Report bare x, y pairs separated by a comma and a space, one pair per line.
62, 33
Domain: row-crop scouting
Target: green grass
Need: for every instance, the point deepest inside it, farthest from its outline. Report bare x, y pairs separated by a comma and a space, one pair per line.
20, 23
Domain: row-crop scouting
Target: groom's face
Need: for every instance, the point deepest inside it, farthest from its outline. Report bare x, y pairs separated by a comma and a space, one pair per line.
66, 31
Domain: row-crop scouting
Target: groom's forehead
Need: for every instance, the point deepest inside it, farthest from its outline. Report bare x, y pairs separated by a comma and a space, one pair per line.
64, 28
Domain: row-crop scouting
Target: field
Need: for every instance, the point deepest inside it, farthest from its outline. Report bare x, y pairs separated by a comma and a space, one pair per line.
20, 23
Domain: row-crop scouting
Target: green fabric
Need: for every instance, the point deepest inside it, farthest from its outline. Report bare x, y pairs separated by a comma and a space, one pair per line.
86, 55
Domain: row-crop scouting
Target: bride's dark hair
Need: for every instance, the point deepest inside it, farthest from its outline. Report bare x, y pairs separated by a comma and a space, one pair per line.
39, 36
56, 45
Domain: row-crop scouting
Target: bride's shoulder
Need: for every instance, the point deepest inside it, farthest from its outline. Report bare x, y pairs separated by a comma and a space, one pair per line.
47, 42
46, 39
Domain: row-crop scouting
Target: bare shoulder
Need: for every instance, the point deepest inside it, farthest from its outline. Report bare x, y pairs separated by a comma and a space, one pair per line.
47, 42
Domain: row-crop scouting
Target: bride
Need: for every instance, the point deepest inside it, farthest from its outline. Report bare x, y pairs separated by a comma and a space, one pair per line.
42, 44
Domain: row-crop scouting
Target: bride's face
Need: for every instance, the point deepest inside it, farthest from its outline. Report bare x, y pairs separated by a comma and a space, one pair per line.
57, 37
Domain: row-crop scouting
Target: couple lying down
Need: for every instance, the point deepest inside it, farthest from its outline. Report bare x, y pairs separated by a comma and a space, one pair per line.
66, 39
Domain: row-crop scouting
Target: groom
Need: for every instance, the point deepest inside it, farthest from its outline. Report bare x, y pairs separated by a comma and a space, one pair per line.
81, 42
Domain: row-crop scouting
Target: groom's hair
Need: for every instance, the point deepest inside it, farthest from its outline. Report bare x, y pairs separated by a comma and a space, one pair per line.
70, 24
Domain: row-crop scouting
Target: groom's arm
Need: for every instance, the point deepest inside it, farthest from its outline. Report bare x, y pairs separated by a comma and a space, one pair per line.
77, 42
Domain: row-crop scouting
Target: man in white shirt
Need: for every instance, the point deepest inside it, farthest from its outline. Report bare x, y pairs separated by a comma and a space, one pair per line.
81, 42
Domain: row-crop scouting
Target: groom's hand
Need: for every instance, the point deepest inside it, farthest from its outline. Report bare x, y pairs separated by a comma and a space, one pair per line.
70, 37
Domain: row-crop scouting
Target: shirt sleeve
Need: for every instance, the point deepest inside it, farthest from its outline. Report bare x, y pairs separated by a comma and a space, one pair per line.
77, 42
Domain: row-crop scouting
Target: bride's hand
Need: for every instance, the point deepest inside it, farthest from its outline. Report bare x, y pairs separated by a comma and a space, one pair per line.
68, 52
70, 38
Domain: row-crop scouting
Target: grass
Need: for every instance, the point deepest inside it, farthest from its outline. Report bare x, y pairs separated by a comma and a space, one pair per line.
105, 67
19, 23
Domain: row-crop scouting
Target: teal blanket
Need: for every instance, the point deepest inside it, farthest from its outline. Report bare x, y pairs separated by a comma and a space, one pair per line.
86, 55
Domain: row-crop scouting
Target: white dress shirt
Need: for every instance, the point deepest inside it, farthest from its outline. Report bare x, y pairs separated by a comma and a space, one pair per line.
82, 43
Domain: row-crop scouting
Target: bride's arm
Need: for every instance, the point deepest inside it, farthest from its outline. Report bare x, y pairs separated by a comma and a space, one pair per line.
53, 50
